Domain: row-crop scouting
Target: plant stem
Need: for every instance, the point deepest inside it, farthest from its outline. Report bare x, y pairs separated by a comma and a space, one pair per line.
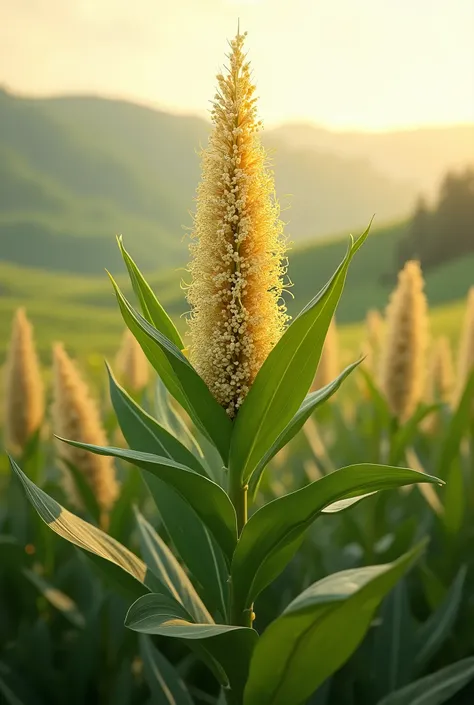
238, 494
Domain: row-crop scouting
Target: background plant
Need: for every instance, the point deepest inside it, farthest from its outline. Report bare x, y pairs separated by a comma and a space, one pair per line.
196, 607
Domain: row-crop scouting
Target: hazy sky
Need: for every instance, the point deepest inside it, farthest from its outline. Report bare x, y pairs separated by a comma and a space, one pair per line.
372, 64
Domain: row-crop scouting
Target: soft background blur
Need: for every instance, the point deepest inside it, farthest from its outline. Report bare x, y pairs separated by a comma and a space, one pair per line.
368, 108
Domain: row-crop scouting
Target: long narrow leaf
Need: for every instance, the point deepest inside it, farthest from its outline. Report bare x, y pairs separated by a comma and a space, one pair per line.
152, 310
435, 689
180, 377
317, 633
134, 577
208, 500
437, 628
273, 534
285, 377
196, 547
230, 646
309, 405
164, 565
167, 688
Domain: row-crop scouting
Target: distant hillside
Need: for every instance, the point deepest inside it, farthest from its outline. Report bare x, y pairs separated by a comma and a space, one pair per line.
74, 171
82, 310
421, 156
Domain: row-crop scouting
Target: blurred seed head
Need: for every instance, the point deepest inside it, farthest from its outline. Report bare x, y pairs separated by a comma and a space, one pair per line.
237, 268
24, 390
328, 368
404, 351
76, 417
466, 347
131, 364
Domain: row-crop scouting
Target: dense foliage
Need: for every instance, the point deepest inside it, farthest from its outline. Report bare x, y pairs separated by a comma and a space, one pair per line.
444, 232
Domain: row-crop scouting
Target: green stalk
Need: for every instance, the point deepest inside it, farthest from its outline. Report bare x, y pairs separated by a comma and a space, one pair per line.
239, 496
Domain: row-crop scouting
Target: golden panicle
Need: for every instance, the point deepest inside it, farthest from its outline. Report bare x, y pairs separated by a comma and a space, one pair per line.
440, 378
466, 346
404, 350
75, 416
131, 363
24, 391
237, 268
328, 368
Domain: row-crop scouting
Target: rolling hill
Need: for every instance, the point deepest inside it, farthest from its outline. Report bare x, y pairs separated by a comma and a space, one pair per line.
74, 171
82, 311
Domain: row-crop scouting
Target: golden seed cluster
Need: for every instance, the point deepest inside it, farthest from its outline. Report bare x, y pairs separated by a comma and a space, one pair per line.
76, 417
404, 351
237, 268
24, 391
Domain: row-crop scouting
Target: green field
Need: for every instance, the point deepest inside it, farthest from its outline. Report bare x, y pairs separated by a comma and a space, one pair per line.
81, 311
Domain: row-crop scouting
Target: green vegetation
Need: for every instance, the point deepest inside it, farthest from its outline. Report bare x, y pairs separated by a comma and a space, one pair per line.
81, 310
75, 171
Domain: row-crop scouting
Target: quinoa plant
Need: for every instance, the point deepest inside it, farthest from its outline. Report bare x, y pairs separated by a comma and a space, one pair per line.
243, 381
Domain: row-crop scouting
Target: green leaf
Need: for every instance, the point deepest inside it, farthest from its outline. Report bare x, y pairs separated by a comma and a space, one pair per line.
167, 688
209, 501
133, 576
436, 688
173, 422
273, 534
164, 565
285, 377
437, 628
58, 599
201, 554
180, 377
142, 432
394, 645
230, 646
152, 310
85, 492
318, 632
407, 432
309, 405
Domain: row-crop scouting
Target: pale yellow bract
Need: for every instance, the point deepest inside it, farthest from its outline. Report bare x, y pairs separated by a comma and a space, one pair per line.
237, 266
404, 351
76, 417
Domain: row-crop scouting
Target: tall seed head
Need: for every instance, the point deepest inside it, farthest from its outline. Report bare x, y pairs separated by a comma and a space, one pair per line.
131, 363
328, 367
237, 266
24, 391
75, 416
404, 350
466, 347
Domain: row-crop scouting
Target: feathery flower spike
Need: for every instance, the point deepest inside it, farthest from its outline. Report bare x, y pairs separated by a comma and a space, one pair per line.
75, 416
24, 391
404, 350
237, 266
